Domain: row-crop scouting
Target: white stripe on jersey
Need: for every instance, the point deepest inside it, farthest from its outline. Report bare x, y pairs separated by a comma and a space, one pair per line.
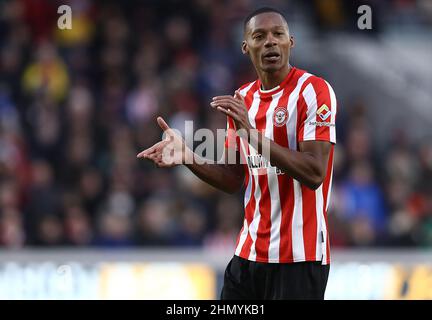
245, 90
310, 98
292, 112
297, 224
332, 137
275, 206
254, 109
333, 108
242, 238
329, 188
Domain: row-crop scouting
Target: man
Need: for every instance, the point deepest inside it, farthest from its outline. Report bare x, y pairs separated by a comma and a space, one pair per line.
282, 250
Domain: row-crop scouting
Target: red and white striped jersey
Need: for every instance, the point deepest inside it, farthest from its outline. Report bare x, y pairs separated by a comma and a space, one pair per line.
285, 221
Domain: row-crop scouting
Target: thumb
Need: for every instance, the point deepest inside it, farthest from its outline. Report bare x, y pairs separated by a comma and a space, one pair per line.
161, 122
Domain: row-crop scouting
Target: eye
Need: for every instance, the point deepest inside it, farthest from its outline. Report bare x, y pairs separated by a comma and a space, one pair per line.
257, 36
278, 33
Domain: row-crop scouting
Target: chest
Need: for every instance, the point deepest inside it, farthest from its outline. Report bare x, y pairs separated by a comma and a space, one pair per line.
276, 115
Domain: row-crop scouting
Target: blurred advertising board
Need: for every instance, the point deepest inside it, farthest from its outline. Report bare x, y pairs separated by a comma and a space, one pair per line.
196, 274
107, 281
379, 281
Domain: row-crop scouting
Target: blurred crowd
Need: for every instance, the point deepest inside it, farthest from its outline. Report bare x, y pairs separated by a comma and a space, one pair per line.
76, 106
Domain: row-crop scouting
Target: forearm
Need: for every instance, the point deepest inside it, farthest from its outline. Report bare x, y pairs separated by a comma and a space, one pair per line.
226, 177
302, 166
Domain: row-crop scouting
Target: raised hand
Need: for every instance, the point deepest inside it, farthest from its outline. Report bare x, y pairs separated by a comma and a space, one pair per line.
235, 108
169, 152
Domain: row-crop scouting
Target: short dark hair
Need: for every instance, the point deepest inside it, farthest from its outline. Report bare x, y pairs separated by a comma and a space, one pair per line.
259, 11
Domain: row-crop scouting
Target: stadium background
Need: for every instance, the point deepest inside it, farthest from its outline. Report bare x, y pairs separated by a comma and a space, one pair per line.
80, 217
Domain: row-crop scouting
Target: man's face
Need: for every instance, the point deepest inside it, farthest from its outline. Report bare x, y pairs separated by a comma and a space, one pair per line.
267, 42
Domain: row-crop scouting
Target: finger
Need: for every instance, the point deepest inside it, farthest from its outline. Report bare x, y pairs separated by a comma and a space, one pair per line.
229, 113
150, 150
231, 99
169, 135
222, 97
151, 157
145, 153
227, 104
164, 126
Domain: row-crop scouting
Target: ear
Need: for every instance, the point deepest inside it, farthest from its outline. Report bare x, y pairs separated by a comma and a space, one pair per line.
245, 48
292, 41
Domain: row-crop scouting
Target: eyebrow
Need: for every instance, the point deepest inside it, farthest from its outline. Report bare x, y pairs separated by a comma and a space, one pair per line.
264, 30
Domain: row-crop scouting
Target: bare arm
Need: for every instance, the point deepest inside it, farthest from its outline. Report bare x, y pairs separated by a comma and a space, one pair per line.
225, 177
308, 165
173, 151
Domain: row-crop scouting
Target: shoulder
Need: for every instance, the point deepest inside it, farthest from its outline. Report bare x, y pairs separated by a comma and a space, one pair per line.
246, 87
316, 83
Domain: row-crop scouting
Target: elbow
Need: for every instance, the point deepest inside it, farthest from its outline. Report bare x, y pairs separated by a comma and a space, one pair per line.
230, 190
316, 178
314, 186
234, 186
315, 182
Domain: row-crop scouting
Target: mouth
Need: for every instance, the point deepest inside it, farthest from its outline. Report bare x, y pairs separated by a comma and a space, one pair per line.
271, 57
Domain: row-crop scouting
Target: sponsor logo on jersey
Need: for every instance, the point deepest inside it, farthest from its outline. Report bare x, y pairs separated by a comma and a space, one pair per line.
260, 165
324, 112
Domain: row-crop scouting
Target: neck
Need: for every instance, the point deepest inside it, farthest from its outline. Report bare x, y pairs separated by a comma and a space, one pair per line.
270, 80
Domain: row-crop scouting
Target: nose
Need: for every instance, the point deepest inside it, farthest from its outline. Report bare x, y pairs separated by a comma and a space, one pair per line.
270, 40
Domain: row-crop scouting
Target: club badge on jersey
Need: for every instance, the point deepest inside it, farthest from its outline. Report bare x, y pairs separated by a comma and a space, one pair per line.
280, 116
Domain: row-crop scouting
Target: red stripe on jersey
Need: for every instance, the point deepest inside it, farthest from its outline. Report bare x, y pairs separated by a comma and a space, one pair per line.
309, 222
301, 112
286, 192
263, 233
